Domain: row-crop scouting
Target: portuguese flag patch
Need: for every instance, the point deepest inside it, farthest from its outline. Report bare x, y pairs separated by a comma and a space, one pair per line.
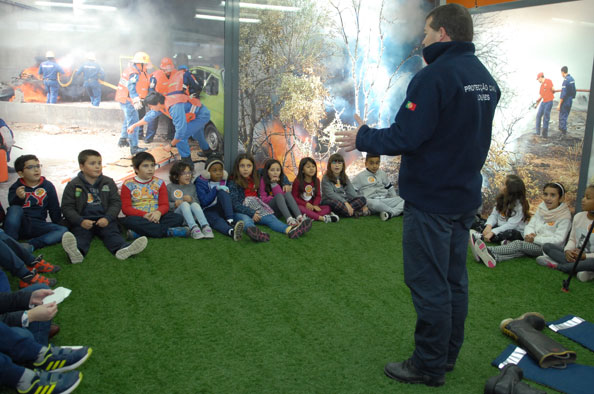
411, 106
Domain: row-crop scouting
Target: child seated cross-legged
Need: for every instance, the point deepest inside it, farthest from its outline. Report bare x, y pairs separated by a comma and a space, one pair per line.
91, 204
145, 203
31, 198
339, 193
251, 209
307, 193
550, 224
508, 219
213, 193
183, 200
278, 195
563, 259
375, 186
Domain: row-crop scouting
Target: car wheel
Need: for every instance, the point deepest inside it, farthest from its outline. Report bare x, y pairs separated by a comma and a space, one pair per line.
213, 137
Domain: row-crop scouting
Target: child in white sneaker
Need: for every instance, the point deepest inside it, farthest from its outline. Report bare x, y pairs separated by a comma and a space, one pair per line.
550, 224
277, 194
183, 200
375, 186
563, 259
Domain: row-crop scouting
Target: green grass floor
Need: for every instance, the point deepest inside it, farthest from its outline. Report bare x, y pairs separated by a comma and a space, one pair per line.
321, 314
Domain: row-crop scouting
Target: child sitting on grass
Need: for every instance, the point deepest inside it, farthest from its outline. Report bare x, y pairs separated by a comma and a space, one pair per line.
563, 259
278, 195
145, 203
339, 193
509, 216
213, 193
307, 193
31, 198
550, 224
183, 200
250, 209
375, 186
91, 205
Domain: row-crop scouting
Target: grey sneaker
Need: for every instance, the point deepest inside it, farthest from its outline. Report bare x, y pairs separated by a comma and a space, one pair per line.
196, 233
546, 261
134, 248
585, 276
207, 231
71, 248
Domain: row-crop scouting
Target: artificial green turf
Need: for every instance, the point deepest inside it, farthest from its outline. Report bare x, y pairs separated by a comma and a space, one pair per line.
321, 314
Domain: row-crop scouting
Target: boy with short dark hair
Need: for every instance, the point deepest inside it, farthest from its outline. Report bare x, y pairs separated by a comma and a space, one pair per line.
31, 198
374, 184
145, 202
91, 205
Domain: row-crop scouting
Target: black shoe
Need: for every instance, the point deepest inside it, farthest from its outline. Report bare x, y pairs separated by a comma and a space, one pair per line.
207, 153
123, 142
148, 140
406, 372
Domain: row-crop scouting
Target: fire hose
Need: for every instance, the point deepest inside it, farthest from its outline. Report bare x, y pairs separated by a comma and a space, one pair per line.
67, 83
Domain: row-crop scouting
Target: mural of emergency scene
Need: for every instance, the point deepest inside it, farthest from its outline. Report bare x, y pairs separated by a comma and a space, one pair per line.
120, 76
306, 73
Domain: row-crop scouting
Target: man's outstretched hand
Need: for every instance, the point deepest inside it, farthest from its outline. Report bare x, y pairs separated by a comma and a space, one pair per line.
348, 139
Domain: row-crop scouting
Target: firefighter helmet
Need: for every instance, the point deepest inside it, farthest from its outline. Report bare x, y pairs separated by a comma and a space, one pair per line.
141, 57
167, 65
50, 54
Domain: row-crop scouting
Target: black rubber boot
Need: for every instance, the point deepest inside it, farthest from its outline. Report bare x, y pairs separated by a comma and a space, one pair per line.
526, 330
505, 382
123, 142
509, 382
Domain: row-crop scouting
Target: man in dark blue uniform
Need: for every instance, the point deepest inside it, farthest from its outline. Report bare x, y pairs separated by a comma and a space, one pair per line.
49, 72
443, 132
568, 93
92, 73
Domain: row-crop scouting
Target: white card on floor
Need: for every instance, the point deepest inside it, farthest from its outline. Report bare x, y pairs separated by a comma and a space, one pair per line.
59, 295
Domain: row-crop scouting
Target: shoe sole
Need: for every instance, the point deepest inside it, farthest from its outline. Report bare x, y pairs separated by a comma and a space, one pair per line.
471, 243
76, 364
483, 253
74, 385
299, 230
71, 248
431, 383
238, 231
505, 322
134, 248
544, 262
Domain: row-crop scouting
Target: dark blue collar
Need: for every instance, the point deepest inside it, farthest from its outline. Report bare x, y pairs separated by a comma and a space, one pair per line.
437, 49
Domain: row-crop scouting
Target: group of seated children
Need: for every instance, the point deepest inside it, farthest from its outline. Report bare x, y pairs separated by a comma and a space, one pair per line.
542, 236
91, 204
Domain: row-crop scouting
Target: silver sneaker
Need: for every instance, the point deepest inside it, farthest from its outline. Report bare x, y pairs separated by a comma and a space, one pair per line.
71, 248
134, 248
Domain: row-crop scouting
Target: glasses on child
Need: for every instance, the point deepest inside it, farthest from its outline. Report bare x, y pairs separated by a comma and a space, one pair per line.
33, 167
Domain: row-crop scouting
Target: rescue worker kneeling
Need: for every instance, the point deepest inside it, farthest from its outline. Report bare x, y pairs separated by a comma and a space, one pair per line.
189, 123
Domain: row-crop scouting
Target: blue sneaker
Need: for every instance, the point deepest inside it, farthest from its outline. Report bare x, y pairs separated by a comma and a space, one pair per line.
62, 359
181, 232
55, 383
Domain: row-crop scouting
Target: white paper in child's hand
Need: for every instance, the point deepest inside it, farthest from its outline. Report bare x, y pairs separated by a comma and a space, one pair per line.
59, 295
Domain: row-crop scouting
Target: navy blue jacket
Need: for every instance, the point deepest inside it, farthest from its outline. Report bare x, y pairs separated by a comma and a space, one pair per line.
442, 130
38, 201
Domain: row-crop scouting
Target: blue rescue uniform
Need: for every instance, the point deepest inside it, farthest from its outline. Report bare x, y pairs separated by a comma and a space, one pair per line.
92, 73
49, 72
568, 92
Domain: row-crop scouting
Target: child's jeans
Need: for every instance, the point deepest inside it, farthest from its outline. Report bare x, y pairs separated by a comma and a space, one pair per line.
39, 233
268, 220
191, 211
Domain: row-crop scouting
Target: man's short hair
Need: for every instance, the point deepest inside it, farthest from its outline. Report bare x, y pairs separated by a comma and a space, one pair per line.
564, 69
19, 163
140, 157
455, 19
84, 155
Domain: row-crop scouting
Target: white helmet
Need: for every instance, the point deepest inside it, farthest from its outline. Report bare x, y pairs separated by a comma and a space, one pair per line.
49, 54
91, 56
141, 57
